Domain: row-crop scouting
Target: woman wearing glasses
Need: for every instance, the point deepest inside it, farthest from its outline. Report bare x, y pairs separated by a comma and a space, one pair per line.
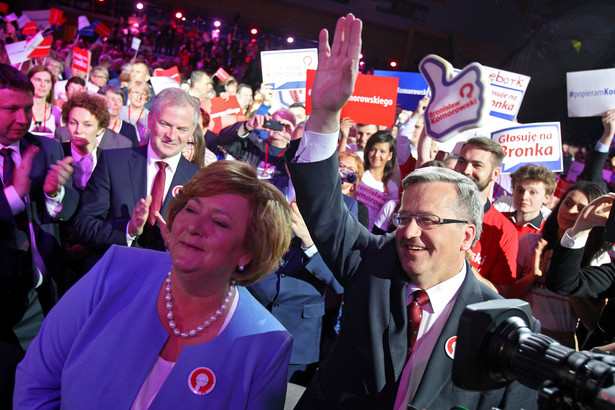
135, 112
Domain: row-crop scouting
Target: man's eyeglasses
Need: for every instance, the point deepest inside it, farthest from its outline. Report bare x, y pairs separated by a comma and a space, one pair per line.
424, 221
350, 177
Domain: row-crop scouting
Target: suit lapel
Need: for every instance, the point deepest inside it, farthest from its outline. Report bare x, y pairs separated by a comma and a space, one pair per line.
38, 165
137, 172
439, 369
180, 177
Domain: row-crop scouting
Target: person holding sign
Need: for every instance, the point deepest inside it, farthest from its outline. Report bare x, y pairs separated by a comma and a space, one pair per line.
378, 362
495, 253
377, 190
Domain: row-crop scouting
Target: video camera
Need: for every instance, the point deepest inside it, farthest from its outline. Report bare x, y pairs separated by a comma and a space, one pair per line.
495, 346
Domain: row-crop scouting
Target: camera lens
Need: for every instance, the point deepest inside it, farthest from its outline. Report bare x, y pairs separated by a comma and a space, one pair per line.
351, 177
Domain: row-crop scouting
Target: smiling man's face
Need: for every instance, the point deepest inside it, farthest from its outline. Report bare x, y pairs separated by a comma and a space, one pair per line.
431, 256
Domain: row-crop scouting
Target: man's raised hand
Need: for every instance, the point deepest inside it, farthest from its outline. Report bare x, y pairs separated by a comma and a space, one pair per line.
338, 67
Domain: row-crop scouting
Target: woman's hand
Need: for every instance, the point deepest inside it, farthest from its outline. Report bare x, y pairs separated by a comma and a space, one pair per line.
299, 227
541, 259
58, 175
594, 214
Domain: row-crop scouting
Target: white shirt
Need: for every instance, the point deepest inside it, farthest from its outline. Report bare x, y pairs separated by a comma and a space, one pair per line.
442, 297
152, 170
318, 147
17, 205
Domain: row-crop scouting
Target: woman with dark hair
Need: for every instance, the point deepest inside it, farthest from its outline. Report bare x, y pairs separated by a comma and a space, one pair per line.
177, 329
377, 190
45, 116
559, 315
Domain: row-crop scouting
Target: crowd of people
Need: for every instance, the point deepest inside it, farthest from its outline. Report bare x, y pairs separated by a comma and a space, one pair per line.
151, 259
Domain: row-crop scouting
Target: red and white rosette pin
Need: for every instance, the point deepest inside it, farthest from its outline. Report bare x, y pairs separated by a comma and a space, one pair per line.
176, 190
451, 343
202, 381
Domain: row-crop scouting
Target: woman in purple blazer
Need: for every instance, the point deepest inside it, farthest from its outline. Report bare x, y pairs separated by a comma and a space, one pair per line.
147, 329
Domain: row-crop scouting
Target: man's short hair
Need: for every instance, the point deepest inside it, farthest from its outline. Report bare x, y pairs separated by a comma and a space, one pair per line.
538, 173
15, 80
469, 205
176, 97
242, 86
296, 105
490, 145
99, 69
75, 80
111, 89
367, 125
197, 76
144, 64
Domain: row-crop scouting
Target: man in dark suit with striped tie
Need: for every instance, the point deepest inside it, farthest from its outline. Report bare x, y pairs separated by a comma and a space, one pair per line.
36, 194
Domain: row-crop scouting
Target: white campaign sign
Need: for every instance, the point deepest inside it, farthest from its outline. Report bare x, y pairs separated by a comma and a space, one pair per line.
507, 91
287, 69
590, 93
538, 143
17, 52
458, 101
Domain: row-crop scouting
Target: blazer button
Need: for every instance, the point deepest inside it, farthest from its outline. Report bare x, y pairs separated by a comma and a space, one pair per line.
276, 305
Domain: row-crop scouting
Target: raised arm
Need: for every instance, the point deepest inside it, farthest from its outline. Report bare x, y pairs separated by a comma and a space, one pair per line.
338, 67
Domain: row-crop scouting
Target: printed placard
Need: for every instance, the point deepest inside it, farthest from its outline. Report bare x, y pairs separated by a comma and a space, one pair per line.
372, 102
411, 88
458, 102
162, 83
42, 49
81, 59
221, 74
17, 52
538, 143
223, 112
172, 72
506, 92
286, 69
136, 43
590, 93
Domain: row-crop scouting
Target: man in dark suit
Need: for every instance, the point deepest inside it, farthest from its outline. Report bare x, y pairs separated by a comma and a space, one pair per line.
377, 363
36, 194
119, 202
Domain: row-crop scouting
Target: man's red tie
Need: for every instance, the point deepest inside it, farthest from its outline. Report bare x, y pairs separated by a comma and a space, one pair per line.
157, 191
415, 315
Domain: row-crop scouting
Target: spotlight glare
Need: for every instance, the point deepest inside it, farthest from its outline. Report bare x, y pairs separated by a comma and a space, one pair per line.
290, 40
140, 6
393, 64
217, 23
178, 15
254, 31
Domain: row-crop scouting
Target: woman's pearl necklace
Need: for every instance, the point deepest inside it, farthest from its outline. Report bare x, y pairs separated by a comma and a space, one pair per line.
206, 324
